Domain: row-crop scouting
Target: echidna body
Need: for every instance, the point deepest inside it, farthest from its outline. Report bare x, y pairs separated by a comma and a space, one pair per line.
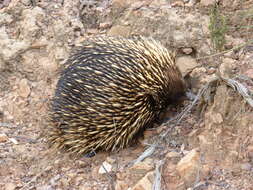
111, 89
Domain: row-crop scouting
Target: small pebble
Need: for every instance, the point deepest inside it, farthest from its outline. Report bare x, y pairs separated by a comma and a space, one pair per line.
3, 138
14, 141
187, 51
106, 167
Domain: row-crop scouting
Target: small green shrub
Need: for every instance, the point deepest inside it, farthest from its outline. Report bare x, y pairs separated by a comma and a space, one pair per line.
217, 28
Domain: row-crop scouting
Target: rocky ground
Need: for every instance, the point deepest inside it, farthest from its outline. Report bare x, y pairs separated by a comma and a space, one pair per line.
210, 148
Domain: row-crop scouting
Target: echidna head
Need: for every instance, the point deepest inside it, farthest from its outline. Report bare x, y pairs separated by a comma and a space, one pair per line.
168, 84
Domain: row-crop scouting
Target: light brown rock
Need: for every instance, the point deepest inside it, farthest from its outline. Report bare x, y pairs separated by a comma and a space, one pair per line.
186, 64
3, 138
24, 88
144, 166
211, 70
187, 51
217, 118
227, 67
47, 64
30, 18
5, 18
188, 167
145, 183
10, 48
14, 141
105, 25
60, 53
121, 185
204, 140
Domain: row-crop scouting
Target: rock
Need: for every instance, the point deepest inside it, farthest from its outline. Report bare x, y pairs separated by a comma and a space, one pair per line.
105, 25
227, 67
144, 166
188, 167
199, 78
211, 70
186, 64
47, 64
24, 88
131, 176
204, 140
187, 51
30, 18
14, 141
173, 157
10, 186
121, 185
217, 118
207, 2
178, 4
3, 138
145, 183
119, 30
5, 18
60, 53
105, 168
10, 48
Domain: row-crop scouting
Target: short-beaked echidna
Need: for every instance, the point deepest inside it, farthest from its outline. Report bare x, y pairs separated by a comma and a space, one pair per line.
111, 89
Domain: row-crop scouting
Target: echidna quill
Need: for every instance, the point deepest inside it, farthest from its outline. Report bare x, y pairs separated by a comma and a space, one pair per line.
110, 90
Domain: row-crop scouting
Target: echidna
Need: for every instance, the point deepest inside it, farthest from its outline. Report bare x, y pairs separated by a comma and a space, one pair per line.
111, 89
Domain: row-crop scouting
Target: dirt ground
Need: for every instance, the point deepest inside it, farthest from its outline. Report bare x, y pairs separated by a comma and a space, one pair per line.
211, 148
